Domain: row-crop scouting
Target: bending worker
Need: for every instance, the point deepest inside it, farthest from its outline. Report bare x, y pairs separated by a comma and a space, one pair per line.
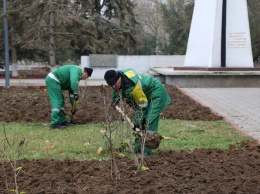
144, 94
64, 78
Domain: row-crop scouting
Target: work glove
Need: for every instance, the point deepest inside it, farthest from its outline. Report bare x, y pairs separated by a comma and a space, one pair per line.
76, 96
136, 127
137, 133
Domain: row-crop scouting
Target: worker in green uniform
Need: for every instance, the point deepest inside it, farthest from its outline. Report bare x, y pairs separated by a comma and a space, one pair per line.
144, 94
66, 77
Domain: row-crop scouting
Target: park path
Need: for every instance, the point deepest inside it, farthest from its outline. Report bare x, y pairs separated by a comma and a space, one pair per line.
239, 106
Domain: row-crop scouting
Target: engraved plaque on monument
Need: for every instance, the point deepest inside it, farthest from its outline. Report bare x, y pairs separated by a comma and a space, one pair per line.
101, 60
238, 44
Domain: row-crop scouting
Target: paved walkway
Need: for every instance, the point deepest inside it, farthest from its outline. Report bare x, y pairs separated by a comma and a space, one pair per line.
239, 106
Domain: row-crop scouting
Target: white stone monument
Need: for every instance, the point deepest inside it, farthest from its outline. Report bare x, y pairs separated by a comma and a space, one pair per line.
204, 44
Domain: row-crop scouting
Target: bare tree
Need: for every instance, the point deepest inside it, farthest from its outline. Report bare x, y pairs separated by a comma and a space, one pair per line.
11, 152
151, 22
177, 15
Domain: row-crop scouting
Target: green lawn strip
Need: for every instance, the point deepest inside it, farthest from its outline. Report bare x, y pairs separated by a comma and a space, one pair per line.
189, 135
81, 142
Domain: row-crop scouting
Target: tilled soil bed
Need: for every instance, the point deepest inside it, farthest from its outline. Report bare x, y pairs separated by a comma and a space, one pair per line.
21, 104
236, 170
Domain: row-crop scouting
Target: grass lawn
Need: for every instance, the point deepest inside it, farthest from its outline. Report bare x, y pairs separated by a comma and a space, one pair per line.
84, 142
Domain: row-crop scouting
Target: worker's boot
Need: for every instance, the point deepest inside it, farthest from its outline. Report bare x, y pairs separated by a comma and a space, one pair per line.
57, 126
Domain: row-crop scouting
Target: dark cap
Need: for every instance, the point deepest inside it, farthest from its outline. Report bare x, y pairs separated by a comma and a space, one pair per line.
111, 77
88, 70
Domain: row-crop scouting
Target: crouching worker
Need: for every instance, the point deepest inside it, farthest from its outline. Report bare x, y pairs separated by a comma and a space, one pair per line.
144, 94
64, 78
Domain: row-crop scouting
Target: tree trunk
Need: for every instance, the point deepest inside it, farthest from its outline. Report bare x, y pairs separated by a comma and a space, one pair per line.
13, 49
14, 62
14, 55
52, 45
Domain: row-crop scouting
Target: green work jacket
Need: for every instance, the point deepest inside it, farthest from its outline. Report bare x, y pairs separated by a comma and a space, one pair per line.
142, 93
69, 77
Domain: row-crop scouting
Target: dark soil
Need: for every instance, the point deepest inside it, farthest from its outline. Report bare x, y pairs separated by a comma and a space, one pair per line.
21, 104
201, 171
236, 170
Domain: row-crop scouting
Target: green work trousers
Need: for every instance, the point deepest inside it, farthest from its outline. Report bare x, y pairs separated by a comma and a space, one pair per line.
57, 101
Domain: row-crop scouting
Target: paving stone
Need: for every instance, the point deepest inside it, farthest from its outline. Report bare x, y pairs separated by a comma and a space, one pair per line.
241, 106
